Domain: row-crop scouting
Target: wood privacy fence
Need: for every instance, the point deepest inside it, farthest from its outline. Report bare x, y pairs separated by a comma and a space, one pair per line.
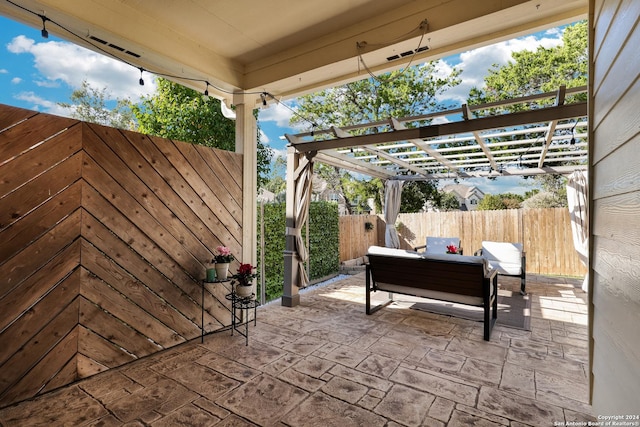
545, 233
103, 236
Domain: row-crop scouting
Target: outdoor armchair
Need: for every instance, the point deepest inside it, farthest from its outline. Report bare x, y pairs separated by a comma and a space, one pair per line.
509, 259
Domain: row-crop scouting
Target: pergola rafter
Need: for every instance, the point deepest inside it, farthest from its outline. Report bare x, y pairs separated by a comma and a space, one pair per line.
472, 141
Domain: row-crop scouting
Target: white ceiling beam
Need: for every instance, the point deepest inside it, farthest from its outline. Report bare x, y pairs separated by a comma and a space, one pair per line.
552, 126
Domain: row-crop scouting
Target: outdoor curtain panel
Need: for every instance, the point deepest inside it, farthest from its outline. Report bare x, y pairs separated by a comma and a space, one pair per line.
577, 198
303, 195
392, 195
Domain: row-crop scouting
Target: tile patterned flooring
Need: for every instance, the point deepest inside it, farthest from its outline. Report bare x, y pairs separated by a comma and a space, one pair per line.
326, 363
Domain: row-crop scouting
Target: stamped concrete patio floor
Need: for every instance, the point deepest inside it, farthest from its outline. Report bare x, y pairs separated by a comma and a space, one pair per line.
326, 363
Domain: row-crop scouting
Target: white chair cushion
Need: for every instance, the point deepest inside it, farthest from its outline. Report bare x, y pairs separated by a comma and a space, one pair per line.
401, 253
504, 256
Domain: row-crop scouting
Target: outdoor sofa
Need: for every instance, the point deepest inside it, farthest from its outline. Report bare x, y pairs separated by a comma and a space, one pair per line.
447, 277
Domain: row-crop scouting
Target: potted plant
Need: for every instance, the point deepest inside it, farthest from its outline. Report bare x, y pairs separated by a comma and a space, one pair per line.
243, 280
222, 259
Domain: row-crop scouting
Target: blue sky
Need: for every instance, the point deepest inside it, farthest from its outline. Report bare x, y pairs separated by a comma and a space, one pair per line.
37, 73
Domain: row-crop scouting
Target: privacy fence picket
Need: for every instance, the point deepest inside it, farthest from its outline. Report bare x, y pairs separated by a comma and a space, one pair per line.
545, 233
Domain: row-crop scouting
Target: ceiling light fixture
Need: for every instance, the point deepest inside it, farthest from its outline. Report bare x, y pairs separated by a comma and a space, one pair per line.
141, 81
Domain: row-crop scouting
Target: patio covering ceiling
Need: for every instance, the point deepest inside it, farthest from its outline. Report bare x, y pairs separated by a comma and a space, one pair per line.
282, 47
470, 141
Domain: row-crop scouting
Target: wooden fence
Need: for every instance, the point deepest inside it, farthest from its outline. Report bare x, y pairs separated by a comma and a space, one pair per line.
545, 233
103, 238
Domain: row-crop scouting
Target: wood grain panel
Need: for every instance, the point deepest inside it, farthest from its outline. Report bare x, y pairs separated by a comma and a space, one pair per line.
175, 308
25, 167
210, 233
98, 320
98, 349
615, 234
46, 302
220, 226
39, 253
134, 225
31, 134
37, 222
545, 234
11, 116
39, 190
126, 297
208, 182
38, 377
27, 357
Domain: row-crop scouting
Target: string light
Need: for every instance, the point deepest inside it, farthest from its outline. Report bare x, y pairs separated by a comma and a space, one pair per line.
44, 32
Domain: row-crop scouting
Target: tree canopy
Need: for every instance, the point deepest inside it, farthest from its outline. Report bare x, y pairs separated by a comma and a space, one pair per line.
177, 112
90, 105
412, 91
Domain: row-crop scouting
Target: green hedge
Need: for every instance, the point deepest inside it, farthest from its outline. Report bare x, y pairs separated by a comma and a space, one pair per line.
324, 249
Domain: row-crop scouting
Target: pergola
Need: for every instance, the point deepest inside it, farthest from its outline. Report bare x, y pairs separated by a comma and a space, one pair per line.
474, 141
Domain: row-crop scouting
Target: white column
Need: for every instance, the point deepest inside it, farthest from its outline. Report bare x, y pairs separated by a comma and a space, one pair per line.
247, 144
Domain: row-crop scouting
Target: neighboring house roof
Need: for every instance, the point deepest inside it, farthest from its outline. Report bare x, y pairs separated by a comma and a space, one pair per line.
463, 191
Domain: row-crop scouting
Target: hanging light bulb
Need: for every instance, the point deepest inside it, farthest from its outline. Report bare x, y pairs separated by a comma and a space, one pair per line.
263, 96
205, 96
141, 81
44, 32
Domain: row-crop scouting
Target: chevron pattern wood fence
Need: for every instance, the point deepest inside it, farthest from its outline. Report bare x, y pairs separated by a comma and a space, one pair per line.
104, 236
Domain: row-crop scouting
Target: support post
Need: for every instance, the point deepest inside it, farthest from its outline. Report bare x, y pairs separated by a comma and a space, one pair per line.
247, 144
290, 295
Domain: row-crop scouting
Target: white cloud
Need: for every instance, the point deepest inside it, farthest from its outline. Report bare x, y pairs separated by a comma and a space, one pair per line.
3, 71
476, 63
65, 62
41, 104
264, 138
277, 113
16, 80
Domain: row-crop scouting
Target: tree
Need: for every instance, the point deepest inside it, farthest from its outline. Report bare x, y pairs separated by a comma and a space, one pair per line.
544, 70
446, 202
415, 195
491, 203
90, 104
412, 91
178, 112
276, 182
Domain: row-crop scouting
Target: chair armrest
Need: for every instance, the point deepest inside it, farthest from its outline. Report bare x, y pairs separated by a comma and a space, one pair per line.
419, 247
491, 273
478, 252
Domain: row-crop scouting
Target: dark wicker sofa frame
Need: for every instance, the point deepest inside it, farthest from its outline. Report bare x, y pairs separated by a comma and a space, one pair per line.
445, 277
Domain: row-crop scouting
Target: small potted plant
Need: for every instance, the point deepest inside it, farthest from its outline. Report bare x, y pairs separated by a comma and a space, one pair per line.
243, 280
222, 259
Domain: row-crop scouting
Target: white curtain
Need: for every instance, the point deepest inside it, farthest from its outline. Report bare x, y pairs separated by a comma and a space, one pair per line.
392, 195
577, 198
303, 195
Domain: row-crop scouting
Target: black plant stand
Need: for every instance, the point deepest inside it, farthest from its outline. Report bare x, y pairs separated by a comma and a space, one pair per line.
239, 304
205, 282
